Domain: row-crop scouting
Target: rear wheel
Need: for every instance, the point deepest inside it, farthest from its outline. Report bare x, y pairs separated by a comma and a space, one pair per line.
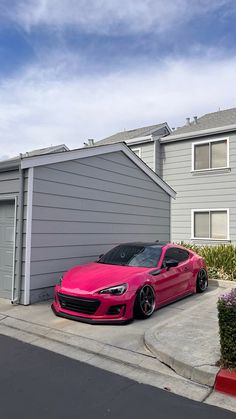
202, 281
144, 304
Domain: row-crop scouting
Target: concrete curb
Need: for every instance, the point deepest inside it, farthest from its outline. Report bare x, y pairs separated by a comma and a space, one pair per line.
185, 370
204, 375
221, 283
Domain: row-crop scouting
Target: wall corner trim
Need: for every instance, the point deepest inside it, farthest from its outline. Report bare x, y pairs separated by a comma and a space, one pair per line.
28, 237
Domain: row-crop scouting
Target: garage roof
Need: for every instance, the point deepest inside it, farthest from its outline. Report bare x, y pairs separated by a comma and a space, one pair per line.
81, 153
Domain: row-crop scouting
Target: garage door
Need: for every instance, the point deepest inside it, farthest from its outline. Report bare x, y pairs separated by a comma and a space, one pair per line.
7, 213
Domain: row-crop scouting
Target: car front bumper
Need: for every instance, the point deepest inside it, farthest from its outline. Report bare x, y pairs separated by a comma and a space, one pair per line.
99, 309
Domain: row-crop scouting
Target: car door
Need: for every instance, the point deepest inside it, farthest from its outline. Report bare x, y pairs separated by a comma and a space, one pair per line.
174, 282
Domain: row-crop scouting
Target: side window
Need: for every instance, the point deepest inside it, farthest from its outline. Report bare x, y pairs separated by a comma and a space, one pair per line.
177, 254
182, 255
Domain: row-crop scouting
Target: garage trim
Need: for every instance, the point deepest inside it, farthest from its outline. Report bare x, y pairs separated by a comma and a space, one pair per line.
28, 236
13, 198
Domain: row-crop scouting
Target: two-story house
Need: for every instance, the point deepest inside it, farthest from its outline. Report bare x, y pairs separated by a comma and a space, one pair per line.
199, 161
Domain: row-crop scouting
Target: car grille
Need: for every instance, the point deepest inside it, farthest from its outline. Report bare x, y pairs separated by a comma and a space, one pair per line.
78, 304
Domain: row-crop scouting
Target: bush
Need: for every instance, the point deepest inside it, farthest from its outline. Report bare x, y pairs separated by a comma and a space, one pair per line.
227, 324
220, 259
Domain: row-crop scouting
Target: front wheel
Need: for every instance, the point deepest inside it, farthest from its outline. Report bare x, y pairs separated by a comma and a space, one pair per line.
144, 304
202, 281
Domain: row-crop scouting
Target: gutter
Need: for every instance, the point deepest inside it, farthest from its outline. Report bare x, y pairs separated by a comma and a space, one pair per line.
140, 140
200, 133
9, 165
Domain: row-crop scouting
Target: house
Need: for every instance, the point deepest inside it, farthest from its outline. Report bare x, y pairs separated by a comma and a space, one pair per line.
199, 161
143, 141
60, 209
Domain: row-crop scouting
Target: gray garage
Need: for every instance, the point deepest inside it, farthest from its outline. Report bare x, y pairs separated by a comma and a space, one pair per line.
59, 210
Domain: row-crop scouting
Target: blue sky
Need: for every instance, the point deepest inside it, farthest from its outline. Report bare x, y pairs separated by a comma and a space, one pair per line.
77, 69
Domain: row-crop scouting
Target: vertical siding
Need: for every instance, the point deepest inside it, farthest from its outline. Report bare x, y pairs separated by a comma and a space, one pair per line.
147, 153
84, 207
215, 189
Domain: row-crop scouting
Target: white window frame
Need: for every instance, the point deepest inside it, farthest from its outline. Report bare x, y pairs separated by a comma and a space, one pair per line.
137, 149
208, 142
209, 210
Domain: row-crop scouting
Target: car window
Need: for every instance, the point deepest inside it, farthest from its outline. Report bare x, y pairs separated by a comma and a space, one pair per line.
133, 255
177, 254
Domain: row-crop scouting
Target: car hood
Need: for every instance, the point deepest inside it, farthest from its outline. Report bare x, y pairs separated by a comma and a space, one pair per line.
96, 276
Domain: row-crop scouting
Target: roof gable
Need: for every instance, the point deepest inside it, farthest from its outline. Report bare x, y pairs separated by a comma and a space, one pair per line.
43, 160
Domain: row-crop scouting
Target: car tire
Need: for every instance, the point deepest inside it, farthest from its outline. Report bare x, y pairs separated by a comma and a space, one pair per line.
144, 304
202, 281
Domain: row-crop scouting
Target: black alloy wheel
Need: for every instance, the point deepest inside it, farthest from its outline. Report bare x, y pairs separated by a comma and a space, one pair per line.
202, 281
145, 302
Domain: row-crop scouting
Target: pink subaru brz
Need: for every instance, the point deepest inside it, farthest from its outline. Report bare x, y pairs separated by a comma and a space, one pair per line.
131, 280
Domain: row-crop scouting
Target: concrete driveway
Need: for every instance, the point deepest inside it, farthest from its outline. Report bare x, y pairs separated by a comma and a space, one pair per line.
129, 336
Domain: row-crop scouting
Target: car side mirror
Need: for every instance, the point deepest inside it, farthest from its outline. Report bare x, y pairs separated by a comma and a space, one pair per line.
171, 263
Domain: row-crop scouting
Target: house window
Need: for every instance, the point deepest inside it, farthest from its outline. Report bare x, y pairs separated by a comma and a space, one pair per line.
137, 151
210, 224
210, 155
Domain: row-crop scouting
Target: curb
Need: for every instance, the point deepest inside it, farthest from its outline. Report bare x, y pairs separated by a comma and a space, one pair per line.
221, 283
226, 382
181, 368
203, 376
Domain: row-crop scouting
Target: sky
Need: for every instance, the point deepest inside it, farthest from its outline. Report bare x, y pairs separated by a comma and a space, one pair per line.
77, 69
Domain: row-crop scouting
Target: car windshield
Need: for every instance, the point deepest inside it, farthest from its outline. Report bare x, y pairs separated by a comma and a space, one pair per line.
133, 255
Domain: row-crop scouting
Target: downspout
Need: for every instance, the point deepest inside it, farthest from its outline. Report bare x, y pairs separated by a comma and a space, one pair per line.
155, 156
17, 287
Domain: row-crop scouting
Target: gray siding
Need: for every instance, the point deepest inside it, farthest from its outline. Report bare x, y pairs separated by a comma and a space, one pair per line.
215, 189
147, 153
82, 208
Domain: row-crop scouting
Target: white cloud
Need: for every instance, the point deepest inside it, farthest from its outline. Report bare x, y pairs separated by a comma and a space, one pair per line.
113, 16
39, 109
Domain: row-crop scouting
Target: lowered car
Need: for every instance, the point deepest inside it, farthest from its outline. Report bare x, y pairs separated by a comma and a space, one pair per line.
131, 280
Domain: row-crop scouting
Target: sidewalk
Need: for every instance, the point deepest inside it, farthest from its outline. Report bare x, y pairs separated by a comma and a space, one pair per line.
176, 349
190, 344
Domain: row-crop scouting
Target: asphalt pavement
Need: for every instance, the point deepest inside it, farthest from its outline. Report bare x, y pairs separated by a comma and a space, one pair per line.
36, 383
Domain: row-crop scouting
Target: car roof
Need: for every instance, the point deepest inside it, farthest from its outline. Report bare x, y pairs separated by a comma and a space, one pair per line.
146, 244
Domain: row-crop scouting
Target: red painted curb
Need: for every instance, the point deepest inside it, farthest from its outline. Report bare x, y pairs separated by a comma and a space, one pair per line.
225, 382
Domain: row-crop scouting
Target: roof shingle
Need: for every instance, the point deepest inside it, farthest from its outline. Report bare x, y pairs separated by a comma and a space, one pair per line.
208, 121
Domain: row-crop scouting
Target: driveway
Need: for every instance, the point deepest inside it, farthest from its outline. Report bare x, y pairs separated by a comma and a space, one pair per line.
130, 336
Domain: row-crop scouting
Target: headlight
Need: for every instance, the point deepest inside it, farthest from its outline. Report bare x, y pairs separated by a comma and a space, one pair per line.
117, 290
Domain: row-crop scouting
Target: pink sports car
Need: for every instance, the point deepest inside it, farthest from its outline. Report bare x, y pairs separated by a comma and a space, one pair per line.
131, 280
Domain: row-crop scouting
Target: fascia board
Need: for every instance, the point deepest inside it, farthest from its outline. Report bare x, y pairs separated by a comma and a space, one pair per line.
200, 133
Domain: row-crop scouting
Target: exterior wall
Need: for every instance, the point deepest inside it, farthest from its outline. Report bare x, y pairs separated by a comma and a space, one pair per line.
84, 207
147, 153
206, 190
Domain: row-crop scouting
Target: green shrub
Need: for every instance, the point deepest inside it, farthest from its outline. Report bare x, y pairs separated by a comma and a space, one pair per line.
220, 259
227, 324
